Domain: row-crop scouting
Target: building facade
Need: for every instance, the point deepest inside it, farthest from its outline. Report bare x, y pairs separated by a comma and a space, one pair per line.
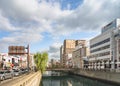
79, 52
10, 61
105, 48
61, 56
69, 46
66, 52
22, 55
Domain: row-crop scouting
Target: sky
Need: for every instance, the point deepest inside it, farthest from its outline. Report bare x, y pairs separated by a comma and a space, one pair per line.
45, 24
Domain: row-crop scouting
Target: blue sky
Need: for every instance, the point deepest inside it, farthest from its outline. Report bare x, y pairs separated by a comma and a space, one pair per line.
71, 4
44, 24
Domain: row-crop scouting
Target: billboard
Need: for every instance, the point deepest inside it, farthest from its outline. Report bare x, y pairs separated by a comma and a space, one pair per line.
16, 50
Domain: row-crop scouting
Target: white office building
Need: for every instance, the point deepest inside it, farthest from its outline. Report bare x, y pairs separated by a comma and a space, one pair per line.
105, 48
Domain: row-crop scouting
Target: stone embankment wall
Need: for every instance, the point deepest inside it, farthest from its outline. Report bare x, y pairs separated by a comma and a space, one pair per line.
32, 79
106, 76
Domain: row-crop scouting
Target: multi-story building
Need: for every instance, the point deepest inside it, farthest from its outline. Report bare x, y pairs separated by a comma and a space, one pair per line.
67, 49
105, 48
21, 53
54, 63
6, 61
61, 56
69, 46
79, 52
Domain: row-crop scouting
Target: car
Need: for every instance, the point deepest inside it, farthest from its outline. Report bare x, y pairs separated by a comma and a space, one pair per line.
0, 79
5, 74
17, 72
26, 70
22, 70
12, 71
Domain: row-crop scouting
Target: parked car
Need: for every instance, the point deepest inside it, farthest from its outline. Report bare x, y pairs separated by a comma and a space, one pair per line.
27, 70
17, 72
22, 70
5, 74
0, 79
12, 71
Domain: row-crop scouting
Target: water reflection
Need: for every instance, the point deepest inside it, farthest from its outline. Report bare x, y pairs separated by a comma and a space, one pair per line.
62, 79
69, 83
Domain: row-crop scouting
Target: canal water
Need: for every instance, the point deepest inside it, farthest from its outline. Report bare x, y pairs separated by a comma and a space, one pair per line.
63, 79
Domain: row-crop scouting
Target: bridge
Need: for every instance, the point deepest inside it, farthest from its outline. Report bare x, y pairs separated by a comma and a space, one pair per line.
62, 69
59, 69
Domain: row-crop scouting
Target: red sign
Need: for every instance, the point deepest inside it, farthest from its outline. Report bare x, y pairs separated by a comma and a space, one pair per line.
12, 65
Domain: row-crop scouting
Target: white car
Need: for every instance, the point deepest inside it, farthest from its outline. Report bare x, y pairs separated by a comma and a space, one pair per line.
5, 74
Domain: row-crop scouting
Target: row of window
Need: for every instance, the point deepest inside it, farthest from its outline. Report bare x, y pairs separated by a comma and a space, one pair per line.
99, 49
99, 43
100, 54
116, 35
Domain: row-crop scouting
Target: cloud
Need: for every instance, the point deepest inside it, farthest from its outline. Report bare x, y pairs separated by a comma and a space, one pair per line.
54, 55
54, 50
26, 20
47, 16
18, 38
5, 24
91, 15
54, 47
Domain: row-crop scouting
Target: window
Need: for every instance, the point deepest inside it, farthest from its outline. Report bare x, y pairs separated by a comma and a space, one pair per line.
99, 49
101, 54
99, 43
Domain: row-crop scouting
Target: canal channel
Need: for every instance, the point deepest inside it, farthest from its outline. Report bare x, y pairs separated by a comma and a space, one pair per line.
51, 78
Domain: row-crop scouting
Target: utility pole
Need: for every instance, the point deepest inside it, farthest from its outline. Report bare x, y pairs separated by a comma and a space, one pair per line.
27, 56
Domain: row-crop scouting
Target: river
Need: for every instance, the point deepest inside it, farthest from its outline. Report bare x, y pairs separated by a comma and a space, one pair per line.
64, 79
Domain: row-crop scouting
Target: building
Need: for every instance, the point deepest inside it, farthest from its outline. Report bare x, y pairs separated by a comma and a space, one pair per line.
66, 51
105, 48
31, 61
0, 61
79, 52
54, 63
7, 61
61, 55
68, 47
22, 53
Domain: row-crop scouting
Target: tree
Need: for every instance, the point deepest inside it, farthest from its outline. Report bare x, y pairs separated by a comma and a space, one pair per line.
41, 61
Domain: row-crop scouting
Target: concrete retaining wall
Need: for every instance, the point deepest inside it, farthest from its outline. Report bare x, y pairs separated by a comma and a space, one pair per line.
102, 75
30, 80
